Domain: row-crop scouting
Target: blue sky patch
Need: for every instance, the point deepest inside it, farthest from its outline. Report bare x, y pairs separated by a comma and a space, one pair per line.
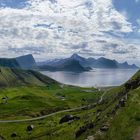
17, 4
131, 7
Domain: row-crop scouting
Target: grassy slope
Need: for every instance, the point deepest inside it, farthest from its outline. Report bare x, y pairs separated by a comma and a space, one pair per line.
127, 120
37, 101
32, 100
17, 77
42, 96
27, 102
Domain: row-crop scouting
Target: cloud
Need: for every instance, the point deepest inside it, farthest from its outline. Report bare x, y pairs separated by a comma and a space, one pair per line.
28, 49
60, 27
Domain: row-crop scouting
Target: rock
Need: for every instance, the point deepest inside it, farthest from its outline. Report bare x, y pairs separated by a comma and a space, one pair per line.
80, 131
68, 118
89, 125
30, 127
90, 138
14, 134
122, 103
104, 128
83, 129
4, 99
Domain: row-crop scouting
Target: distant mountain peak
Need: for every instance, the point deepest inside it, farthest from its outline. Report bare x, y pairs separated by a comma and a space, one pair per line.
126, 62
26, 61
77, 57
26, 55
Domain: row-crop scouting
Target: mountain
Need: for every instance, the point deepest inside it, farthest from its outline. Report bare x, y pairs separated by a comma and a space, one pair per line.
125, 65
26, 62
18, 77
104, 63
68, 65
91, 62
78, 58
23, 62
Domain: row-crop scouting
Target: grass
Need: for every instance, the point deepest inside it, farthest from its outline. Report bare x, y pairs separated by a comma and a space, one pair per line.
48, 128
17, 77
122, 125
127, 121
32, 101
37, 101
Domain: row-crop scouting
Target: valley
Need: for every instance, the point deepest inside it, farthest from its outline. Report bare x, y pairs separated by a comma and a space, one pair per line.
88, 112
69, 70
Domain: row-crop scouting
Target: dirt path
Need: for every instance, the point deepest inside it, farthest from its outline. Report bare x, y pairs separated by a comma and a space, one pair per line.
42, 117
137, 135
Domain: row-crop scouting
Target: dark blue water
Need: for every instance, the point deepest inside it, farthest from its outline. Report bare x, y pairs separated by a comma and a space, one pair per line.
97, 77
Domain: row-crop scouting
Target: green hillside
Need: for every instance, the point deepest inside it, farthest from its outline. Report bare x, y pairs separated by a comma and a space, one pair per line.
18, 77
109, 114
123, 120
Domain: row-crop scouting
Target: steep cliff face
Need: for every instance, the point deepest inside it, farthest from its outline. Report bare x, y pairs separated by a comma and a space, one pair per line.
26, 62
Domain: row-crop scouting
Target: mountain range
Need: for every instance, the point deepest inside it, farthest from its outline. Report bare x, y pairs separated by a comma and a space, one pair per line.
68, 65
76, 62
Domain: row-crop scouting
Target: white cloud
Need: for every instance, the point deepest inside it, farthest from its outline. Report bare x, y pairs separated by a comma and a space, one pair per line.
65, 22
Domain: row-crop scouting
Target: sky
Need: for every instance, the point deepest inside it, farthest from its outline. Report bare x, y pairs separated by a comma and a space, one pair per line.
58, 28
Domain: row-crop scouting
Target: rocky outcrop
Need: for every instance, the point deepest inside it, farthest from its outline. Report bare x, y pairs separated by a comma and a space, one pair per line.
84, 129
104, 128
68, 118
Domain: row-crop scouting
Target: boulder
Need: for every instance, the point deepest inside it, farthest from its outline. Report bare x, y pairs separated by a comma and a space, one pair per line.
14, 134
104, 128
68, 118
30, 127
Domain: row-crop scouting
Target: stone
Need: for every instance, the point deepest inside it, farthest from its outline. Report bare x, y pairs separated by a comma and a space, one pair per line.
30, 127
14, 134
68, 118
